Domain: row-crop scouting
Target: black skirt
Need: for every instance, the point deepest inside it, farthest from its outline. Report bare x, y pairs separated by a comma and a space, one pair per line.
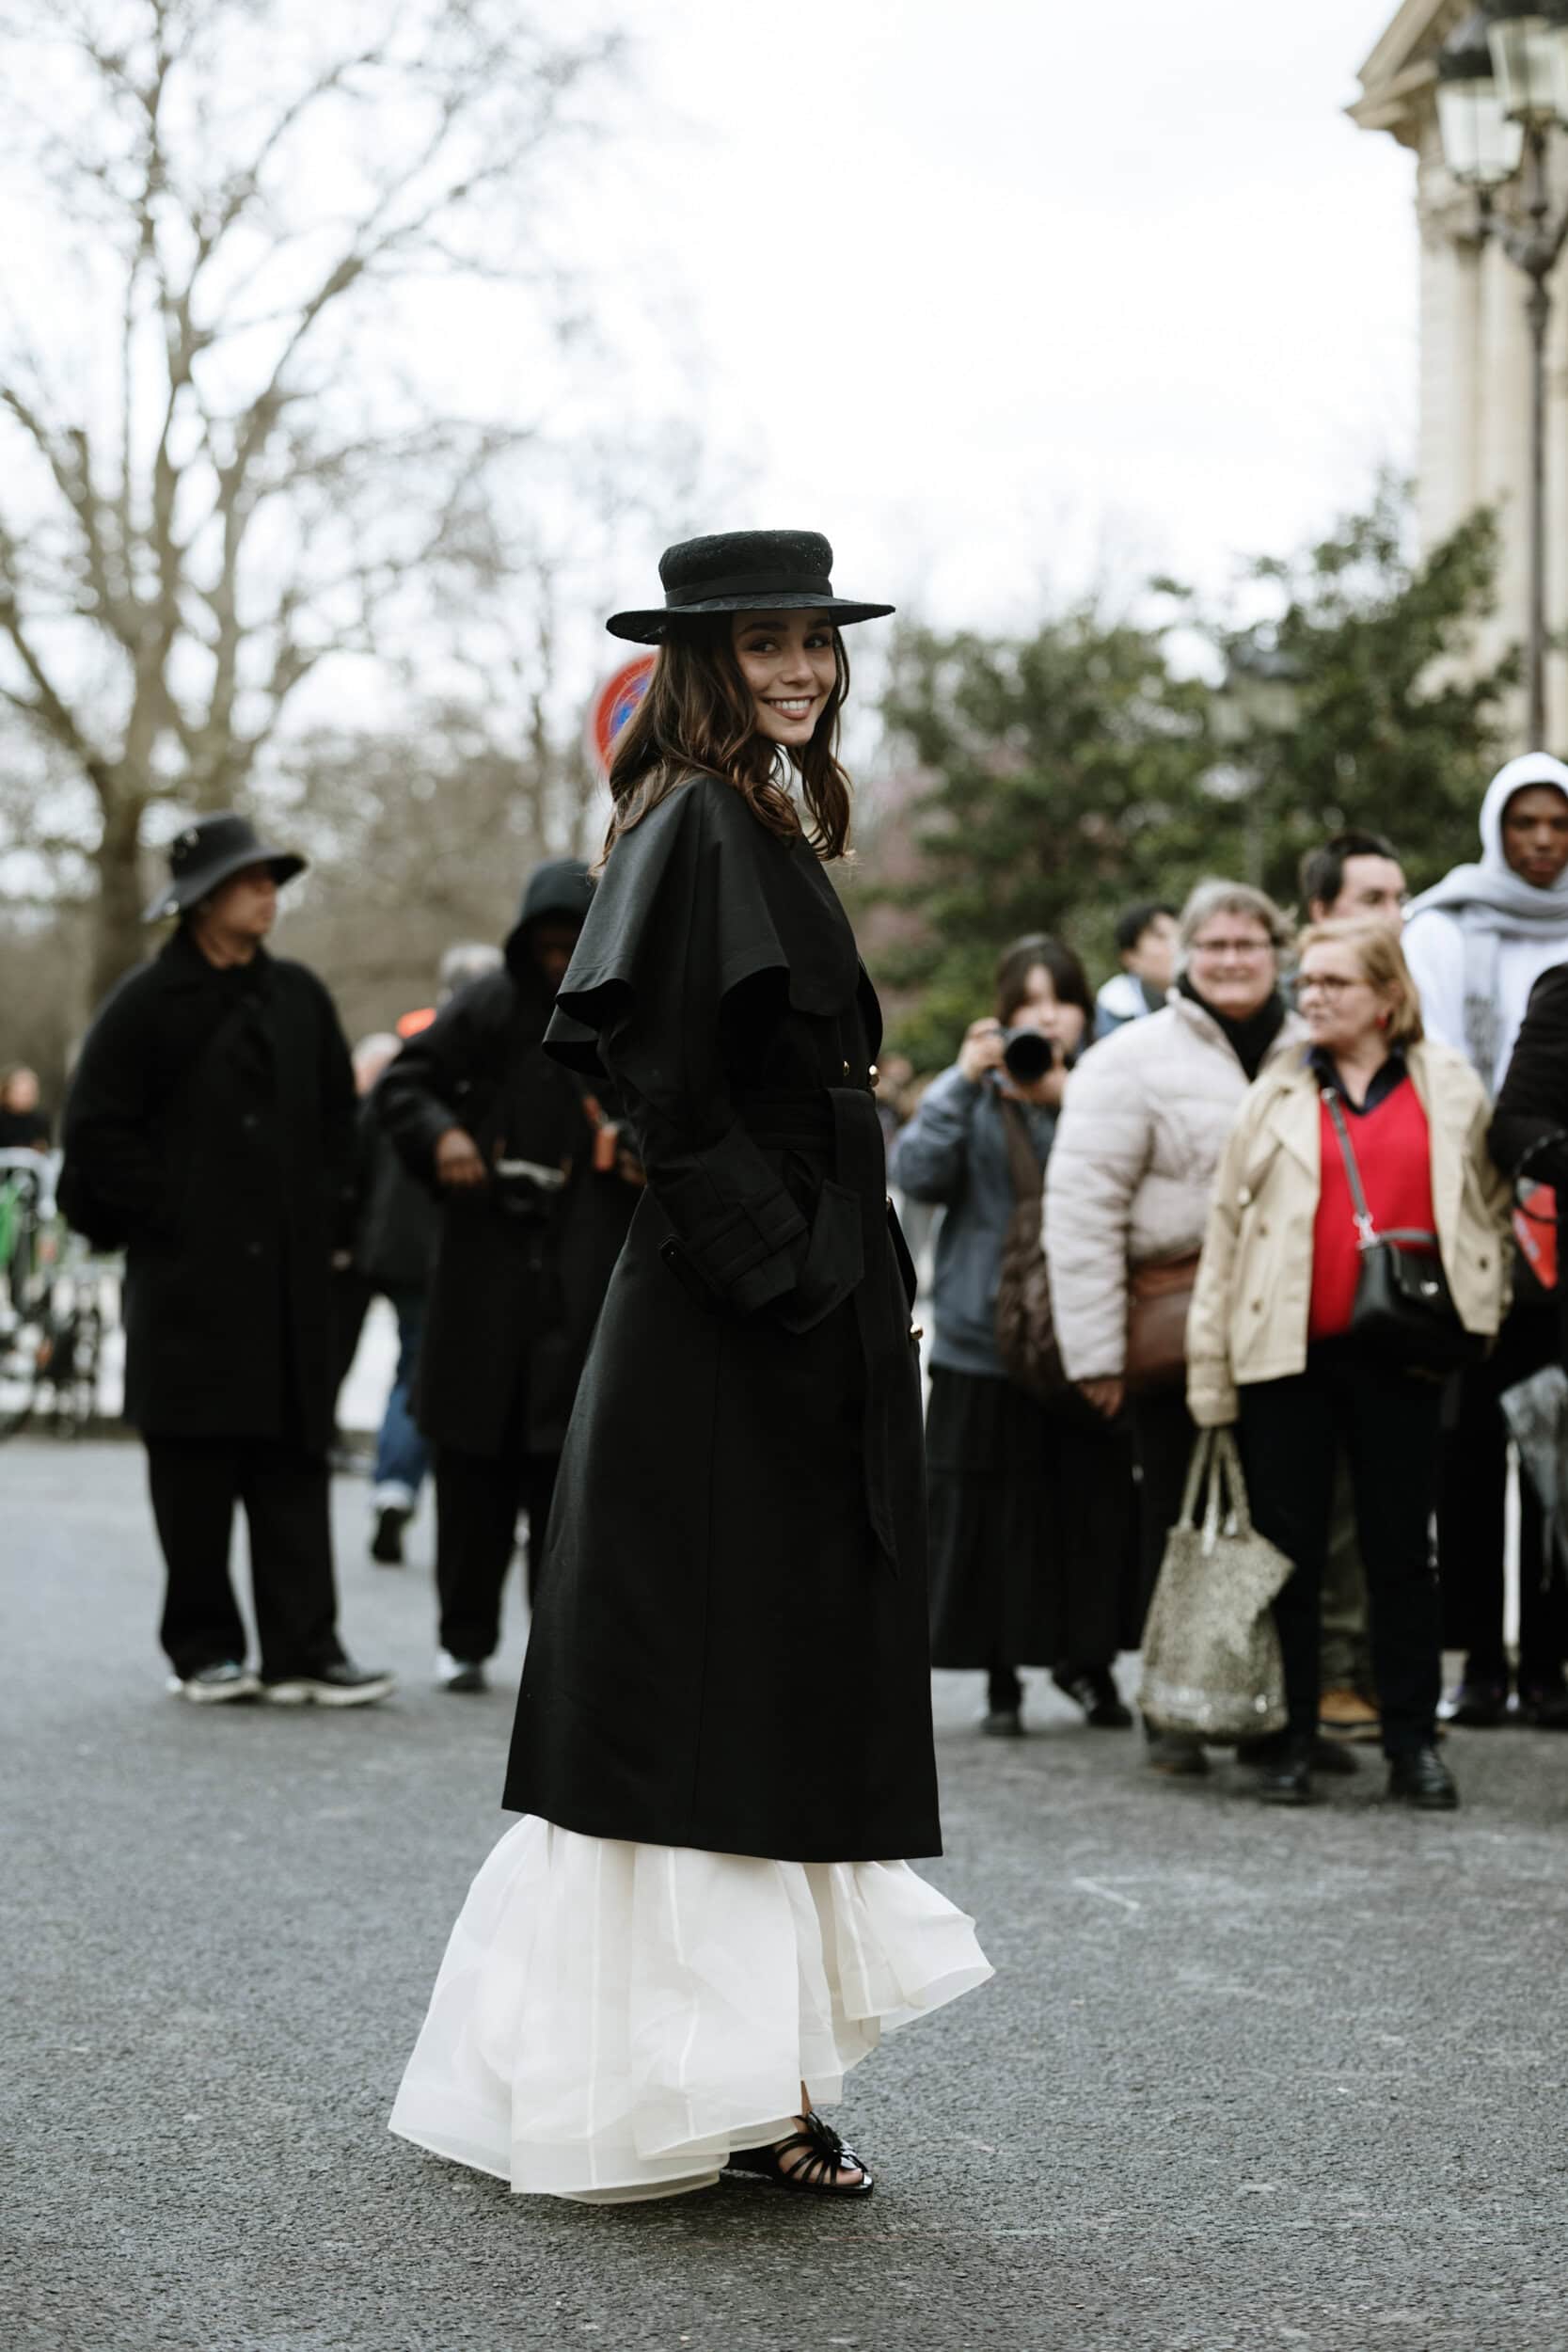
1034, 1529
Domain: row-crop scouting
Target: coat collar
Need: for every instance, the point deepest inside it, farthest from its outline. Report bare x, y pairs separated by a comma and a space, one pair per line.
182, 966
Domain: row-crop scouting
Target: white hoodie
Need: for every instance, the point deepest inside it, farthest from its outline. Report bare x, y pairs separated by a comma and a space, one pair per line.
1480, 940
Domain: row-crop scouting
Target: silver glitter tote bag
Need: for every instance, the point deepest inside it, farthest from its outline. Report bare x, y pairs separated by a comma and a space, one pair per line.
1210, 1654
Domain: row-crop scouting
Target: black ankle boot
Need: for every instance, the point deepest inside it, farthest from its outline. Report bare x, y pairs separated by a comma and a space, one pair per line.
1286, 1777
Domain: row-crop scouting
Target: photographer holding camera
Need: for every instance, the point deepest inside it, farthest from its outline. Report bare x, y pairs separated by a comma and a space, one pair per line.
1031, 1513
536, 1193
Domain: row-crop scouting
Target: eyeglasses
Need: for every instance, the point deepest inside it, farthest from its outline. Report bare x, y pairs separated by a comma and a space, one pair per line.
1330, 984
1247, 950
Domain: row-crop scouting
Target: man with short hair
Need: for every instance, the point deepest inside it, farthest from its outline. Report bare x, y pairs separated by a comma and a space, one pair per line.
1146, 941
210, 1131
1354, 877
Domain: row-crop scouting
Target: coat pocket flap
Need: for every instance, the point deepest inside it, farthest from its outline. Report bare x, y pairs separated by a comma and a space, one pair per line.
835, 1259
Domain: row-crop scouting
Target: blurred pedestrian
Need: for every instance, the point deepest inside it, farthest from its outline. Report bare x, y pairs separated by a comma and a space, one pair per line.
1530, 1139
1143, 1123
1031, 1513
724, 1732
394, 1246
1146, 942
1355, 875
535, 1195
1374, 1129
1476, 945
210, 1130
24, 1121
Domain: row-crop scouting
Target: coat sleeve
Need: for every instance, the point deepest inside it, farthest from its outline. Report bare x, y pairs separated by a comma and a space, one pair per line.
681, 951
108, 1130
1098, 1160
421, 1093
930, 1159
1211, 1381
1530, 1121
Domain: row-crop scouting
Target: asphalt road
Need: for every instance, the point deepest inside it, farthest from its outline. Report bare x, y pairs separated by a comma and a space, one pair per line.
1243, 2079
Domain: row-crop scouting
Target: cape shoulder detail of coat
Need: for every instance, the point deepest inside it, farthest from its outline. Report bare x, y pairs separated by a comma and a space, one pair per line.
700, 892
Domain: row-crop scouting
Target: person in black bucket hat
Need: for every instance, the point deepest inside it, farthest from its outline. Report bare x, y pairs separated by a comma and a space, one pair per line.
722, 1744
210, 1132
209, 852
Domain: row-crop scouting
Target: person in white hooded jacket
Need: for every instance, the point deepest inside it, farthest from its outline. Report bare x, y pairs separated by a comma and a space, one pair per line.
1476, 944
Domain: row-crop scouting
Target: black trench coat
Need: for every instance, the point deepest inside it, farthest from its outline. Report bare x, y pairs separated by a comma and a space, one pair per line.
730, 1651
212, 1114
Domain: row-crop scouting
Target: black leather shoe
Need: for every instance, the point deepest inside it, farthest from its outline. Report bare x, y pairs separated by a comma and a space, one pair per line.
1423, 1779
1002, 1722
1286, 1777
1476, 1705
1544, 1705
1093, 1689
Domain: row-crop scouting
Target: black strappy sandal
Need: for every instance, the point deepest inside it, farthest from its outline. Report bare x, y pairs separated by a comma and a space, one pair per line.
814, 2176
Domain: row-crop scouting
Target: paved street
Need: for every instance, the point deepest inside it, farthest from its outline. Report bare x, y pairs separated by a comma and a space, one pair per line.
1243, 2079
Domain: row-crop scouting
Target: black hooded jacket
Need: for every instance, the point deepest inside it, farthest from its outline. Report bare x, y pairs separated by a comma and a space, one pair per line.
520, 1269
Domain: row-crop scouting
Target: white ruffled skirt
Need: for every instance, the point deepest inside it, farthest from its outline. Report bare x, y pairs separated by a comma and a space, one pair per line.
612, 2019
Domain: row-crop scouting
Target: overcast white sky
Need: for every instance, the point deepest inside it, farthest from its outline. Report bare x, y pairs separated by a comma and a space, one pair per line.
1025, 288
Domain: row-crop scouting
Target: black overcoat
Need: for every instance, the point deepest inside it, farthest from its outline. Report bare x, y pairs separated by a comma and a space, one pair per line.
730, 1650
511, 1302
1529, 1127
212, 1113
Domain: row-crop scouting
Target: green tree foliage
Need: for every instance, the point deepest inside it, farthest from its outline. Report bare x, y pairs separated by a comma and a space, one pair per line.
1061, 770
1394, 727
1065, 773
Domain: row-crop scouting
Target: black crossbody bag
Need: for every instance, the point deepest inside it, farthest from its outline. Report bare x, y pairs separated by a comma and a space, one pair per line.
1404, 1312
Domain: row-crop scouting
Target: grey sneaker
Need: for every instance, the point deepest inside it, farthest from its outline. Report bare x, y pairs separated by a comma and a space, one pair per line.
342, 1685
459, 1674
215, 1685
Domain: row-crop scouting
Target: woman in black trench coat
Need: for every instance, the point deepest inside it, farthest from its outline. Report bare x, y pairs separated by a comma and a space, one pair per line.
723, 1745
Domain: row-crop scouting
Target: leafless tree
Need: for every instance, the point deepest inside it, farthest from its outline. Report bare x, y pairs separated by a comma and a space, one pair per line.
234, 472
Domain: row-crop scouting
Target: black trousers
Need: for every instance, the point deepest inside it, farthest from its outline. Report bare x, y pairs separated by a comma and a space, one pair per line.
195, 1484
1470, 1517
478, 1499
1390, 1427
1162, 1440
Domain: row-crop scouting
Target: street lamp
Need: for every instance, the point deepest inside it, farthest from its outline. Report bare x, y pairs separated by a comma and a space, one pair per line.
1502, 90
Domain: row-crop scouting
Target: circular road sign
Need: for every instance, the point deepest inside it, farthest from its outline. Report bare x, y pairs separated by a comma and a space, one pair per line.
613, 705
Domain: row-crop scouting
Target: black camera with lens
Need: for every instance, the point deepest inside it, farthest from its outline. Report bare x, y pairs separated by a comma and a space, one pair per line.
526, 1189
1027, 1056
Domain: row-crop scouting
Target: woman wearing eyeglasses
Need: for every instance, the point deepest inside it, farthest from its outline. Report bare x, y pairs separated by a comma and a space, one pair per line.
1373, 1131
1142, 1128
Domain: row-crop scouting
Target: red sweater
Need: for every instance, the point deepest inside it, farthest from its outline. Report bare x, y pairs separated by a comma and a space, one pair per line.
1393, 1150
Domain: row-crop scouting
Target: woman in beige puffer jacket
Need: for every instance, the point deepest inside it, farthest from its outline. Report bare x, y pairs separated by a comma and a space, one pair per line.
1144, 1123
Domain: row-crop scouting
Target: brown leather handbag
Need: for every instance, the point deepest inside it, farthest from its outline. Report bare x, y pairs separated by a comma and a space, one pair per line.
1158, 1297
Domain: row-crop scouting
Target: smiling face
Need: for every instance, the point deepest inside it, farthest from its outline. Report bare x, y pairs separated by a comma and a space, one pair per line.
1232, 965
789, 660
1535, 835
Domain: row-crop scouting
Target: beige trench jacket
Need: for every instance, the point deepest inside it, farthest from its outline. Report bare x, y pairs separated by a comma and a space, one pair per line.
1249, 1312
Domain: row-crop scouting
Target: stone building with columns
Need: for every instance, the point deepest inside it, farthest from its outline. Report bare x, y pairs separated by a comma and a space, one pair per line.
1473, 447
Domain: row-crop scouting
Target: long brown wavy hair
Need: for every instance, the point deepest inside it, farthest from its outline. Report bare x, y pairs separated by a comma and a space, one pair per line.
700, 714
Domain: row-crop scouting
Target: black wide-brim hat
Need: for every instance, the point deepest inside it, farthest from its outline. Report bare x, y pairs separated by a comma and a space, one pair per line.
744, 571
211, 852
